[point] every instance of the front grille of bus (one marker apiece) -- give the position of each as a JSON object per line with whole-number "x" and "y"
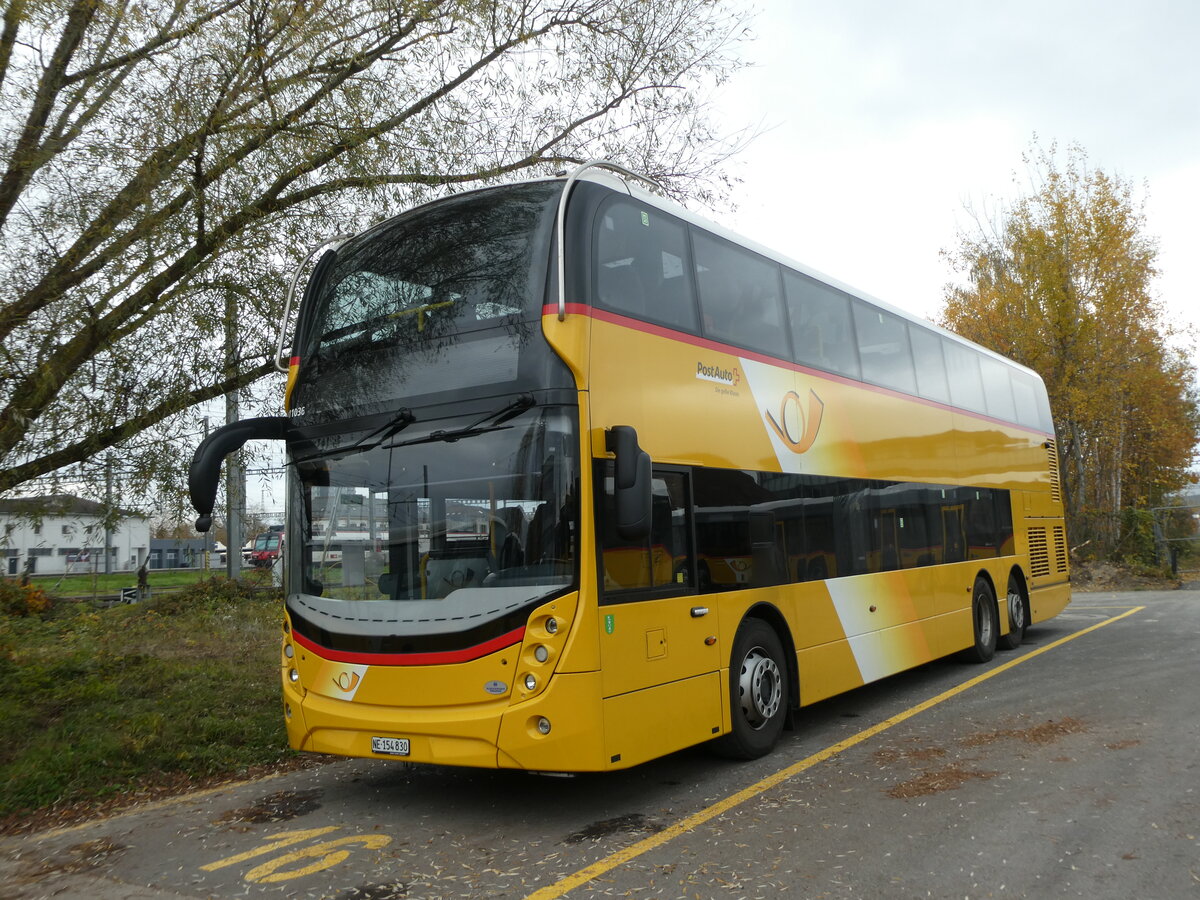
{"x": 1052, "y": 465}
{"x": 1039, "y": 553}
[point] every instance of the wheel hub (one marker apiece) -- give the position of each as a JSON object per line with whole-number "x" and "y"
{"x": 984, "y": 617}
{"x": 761, "y": 687}
{"x": 1016, "y": 611}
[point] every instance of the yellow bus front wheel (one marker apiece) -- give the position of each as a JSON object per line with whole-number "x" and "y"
{"x": 758, "y": 692}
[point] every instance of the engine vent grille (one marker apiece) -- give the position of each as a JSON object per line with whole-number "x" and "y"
{"x": 1039, "y": 553}
{"x": 1060, "y": 549}
{"x": 1052, "y": 465}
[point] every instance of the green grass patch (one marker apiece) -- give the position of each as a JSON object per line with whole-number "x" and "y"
{"x": 94, "y": 702}
{"x": 98, "y": 584}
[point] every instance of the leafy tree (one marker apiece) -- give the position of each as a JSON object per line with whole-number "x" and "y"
{"x": 1063, "y": 282}
{"x": 164, "y": 163}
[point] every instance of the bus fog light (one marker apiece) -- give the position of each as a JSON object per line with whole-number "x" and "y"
{"x": 540, "y": 653}
{"x": 543, "y": 725}
{"x": 530, "y": 683}
{"x": 552, "y": 625}
{"x": 287, "y": 710}
{"x": 293, "y": 675}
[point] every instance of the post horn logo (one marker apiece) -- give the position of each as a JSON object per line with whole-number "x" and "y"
{"x": 796, "y": 428}
{"x": 347, "y": 681}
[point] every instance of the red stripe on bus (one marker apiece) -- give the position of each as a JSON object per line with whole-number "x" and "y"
{"x": 440, "y": 657}
{"x": 603, "y": 315}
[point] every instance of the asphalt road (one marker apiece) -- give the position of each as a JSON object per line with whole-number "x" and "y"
{"x": 1068, "y": 768}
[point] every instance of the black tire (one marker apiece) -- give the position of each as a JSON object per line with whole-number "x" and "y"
{"x": 1018, "y": 617}
{"x": 758, "y": 692}
{"x": 986, "y": 622}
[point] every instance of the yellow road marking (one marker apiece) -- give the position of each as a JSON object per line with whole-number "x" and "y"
{"x": 612, "y": 861}
{"x": 329, "y": 856}
{"x": 283, "y": 839}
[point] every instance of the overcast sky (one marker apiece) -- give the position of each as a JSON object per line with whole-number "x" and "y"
{"x": 882, "y": 119}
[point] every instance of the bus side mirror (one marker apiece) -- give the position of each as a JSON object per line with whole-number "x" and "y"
{"x": 205, "y": 470}
{"x": 632, "y": 489}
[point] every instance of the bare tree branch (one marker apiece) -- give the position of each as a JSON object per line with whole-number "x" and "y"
{"x": 161, "y": 156}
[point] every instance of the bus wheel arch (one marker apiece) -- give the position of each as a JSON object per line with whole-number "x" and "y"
{"x": 985, "y": 620}
{"x": 1017, "y": 608}
{"x": 763, "y": 684}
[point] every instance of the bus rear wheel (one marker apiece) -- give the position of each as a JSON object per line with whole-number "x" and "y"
{"x": 985, "y": 620}
{"x": 758, "y": 692}
{"x": 1018, "y": 617}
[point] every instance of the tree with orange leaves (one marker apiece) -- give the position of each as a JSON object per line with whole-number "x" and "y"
{"x": 1062, "y": 282}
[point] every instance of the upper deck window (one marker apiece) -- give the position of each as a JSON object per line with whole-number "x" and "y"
{"x": 883, "y": 348}
{"x": 930, "y": 364}
{"x": 641, "y": 268}
{"x": 1032, "y": 406}
{"x": 966, "y": 381}
{"x": 822, "y": 332}
{"x": 997, "y": 387}
{"x": 740, "y": 296}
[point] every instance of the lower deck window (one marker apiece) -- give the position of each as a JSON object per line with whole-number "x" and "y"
{"x": 754, "y": 529}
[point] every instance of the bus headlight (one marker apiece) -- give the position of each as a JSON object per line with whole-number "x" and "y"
{"x": 293, "y": 676}
{"x": 552, "y": 625}
{"x": 543, "y": 725}
{"x": 530, "y": 682}
{"x": 540, "y": 653}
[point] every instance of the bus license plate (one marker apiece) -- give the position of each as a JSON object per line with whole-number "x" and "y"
{"x": 393, "y": 746}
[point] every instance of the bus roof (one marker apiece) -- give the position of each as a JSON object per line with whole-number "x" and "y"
{"x": 596, "y": 174}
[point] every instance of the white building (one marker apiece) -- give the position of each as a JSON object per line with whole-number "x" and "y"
{"x": 61, "y": 533}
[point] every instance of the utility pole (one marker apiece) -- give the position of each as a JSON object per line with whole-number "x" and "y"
{"x": 235, "y": 497}
{"x": 235, "y": 487}
{"x": 108, "y": 511}
{"x": 207, "y": 534}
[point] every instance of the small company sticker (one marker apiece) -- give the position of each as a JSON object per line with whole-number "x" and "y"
{"x": 610, "y": 623}
{"x": 496, "y": 687}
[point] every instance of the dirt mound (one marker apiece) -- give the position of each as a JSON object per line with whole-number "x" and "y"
{"x": 1098, "y": 575}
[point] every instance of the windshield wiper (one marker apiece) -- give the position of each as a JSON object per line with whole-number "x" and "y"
{"x": 493, "y": 421}
{"x": 400, "y": 420}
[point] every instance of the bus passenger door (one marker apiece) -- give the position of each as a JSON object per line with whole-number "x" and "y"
{"x": 659, "y": 647}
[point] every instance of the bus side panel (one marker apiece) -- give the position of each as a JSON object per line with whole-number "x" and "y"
{"x": 1047, "y": 602}
{"x": 1042, "y": 539}
{"x": 827, "y": 670}
{"x": 817, "y": 622}
{"x": 572, "y": 706}
{"x": 655, "y": 641}
{"x": 643, "y": 725}
{"x": 830, "y": 669}
{"x": 1001, "y": 456}
{"x": 690, "y": 405}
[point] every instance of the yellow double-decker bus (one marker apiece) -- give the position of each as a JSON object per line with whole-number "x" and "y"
{"x": 626, "y": 483}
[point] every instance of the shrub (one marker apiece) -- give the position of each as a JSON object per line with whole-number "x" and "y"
{"x": 23, "y": 599}
{"x": 1137, "y": 546}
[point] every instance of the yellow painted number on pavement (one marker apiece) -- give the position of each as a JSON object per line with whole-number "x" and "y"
{"x": 327, "y": 854}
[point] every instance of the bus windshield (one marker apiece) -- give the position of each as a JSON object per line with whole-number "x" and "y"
{"x": 441, "y": 528}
